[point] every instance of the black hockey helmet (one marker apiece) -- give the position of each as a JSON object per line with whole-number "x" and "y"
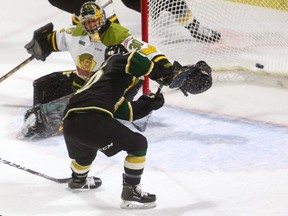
{"x": 92, "y": 17}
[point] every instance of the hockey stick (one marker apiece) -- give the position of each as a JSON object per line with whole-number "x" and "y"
{"x": 107, "y": 3}
{"x": 57, "y": 180}
{"x": 16, "y": 68}
{"x": 142, "y": 128}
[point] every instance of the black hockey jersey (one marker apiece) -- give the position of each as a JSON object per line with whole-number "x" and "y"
{"x": 104, "y": 90}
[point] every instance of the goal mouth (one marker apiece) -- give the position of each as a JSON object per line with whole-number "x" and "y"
{"x": 242, "y": 40}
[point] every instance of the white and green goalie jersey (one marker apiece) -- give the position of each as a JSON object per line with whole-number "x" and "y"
{"x": 89, "y": 53}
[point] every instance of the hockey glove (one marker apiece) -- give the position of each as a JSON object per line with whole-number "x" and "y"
{"x": 162, "y": 74}
{"x": 193, "y": 79}
{"x": 114, "y": 49}
{"x": 39, "y": 46}
{"x": 156, "y": 101}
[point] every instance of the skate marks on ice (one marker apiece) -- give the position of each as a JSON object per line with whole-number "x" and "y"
{"x": 208, "y": 142}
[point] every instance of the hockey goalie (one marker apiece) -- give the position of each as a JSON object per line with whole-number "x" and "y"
{"x": 44, "y": 118}
{"x": 52, "y": 92}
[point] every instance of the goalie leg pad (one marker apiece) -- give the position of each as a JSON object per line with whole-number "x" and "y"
{"x": 44, "y": 120}
{"x": 52, "y": 86}
{"x": 33, "y": 123}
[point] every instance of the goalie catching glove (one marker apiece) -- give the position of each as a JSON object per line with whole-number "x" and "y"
{"x": 39, "y": 47}
{"x": 193, "y": 79}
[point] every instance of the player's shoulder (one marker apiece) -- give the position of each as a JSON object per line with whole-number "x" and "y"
{"x": 113, "y": 33}
{"x": 76, "y": 30}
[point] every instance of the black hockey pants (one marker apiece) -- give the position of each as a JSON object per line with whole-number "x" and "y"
{"x": 86, "y": 133}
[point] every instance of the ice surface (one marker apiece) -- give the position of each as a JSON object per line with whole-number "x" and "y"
{"x": 223, "y": 152}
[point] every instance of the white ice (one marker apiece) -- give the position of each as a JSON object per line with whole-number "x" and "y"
{"x": 223, "y": 152}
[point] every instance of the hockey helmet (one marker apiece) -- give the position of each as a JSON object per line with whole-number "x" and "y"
{"x": 92, "y": 17}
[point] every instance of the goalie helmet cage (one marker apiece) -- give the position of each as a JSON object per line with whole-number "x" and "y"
{"x": 253, "y": 46}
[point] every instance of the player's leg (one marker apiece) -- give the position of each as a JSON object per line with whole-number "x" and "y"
{"x": 44, "y": 120}
{"x": 185, "y": 17}
{"x": 81, "y": 154}
{"x": 51, "y": 95}
{"x": 110, "y": 137}
{"x": 135, "y": 144}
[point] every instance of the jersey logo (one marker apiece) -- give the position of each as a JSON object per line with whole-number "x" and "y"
{"x": 132, "y": 44}
{"x": 106, "y": 147}
{"x": 85, "y": 65}
{"x": 135, "y": 44}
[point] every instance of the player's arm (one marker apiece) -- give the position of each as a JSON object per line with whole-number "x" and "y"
{"x": 45, "y": 41}
{"x": 114, "y": 34}
{"x": 138, "y": 109}
{"x": 193, "y": 79}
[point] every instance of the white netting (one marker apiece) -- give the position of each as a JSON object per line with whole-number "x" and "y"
{"x": 252, "y": 31}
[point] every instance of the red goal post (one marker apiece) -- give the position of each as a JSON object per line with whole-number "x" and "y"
{"x": 144, "y": 22}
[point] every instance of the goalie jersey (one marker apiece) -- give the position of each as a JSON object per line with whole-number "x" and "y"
{"x": 89, "y": 53}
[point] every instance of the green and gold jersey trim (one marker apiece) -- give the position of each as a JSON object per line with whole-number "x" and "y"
{"x": 53, "y": 42}
{"x": 83, "y": 109}
{"x": 138, "y": 66}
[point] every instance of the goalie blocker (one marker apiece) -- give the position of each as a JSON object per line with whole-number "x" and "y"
{"x": 193, "y": 79}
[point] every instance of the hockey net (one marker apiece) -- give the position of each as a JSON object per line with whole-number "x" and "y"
{"x": 253, "y": 43}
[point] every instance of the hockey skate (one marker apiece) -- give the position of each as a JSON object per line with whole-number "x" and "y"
{"x": 203, "y": 33}
{"x": 88, "y": 183}
{"x": 134, "y": 198}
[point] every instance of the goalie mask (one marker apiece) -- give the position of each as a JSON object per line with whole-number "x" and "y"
{"x": 92, "y": 18}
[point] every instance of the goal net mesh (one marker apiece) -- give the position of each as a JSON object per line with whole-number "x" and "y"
{"x": 240, "y": 39}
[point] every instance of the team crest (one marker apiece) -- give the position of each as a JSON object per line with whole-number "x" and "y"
{"x": 85, "y": 65}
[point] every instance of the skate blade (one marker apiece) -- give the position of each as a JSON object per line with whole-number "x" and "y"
{"x": 137, "y": 205}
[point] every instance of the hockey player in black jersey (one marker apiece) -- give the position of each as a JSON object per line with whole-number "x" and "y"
{"x": 178, "y": 8}
{"x": 90, "y": 125}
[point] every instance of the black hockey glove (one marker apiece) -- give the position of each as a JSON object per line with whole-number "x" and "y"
{"x": 156, "y": 101}
{"x": 39, "y": 46}
{"x": 114, "y": 49}
{"x": 193, "y": 79}
{"x": 162, "y": 74}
